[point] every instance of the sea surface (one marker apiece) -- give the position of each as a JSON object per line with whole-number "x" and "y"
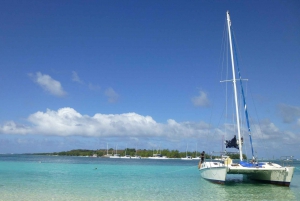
{"x": 31, "y": 177}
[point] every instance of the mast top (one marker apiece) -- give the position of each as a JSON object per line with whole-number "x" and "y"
{"x": 228, "y": 18}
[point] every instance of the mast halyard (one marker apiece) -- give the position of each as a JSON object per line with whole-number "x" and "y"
{"x": 234, "y": 87}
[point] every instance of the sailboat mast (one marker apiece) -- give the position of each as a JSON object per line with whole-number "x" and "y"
{"x": 234, "y": 87}
{"x": 107, "y": 149}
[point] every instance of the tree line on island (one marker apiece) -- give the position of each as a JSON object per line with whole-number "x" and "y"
{"x": 141, "y": 152}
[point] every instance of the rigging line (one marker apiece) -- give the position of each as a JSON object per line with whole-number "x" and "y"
{"x": 227, "y": 73}
{"x": 215, "y": 131}
{"x": 221, "y": 61}
{"x": 259, "y": 125}
{"x": 255, "y": 127}
{"x": 223, "y": 48}
{"x": 244, "y": 101}
{"x": 223, "y": 52}
{"x": 210, "y": 124}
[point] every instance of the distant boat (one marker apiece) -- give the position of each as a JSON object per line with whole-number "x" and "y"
{"x": 186, "y": 156}
{"x": 136, "y": 157}
{"x": 267, "y": 172}
{"x": 126, "y": 156}
{"x": 116, "y": 155}
{"x": 197, "y": 157}
{"x": 107, "y": 154}
{"x": 158, "y": 156}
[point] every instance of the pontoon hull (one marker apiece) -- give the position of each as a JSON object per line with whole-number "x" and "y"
{"x": 268, "y": 173}
{"x": 214, "y": 172}
{"x": 281, "y": 177}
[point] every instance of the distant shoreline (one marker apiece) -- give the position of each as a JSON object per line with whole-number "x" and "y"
{"x": 143, "y": 153}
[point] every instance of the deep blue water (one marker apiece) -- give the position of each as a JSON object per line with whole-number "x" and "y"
{"x": 31, "y": 177}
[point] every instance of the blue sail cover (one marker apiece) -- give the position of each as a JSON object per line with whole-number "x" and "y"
{"x": 247, "y": 164}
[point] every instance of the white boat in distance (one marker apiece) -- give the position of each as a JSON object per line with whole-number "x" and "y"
{"x": 187, "y": 158}
{"x": 157, "y": 156}
{"x": 197, "y": 157}
{"x": 116, "y": 155}
{"x": 267, "y": 172}
{"x": 126, "y": 157}
{"x": 136, "y": 157}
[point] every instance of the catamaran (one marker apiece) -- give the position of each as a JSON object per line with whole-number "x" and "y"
{"x": 268, "y": 172}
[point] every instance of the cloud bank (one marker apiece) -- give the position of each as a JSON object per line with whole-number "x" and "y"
{"x": 69, "y": 122}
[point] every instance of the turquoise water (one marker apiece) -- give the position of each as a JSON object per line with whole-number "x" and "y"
{"x": 28, "y": 177}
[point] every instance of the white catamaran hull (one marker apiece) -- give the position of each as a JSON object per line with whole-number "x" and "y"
{"x": 267, "y": 173}
{"x": 214, "y": 171}
{"x": 280, "y": 175}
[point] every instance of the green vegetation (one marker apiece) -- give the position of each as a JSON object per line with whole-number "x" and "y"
{"x": 131, "y": 151}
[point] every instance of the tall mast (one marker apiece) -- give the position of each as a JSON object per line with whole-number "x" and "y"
{"x": 107, "y": 149}
{"x": 234, "y": 87}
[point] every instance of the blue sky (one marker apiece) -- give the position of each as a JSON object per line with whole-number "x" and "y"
{"x": 81, "y": 74}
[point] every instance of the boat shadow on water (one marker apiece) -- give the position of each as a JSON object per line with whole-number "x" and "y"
{"x": 254, "y": 190}
{"x": 232, "y": 180}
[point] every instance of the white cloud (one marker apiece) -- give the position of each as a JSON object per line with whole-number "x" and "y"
{"x": 48, "y": 84}
{"x": 68, "y": 122}
{"x": 111, "y": 95}
{"x": 201, "y": 100}
{"x": 76, "y": 78}
{"x": 289, "y": 113}
{"x": 94, "y": 87}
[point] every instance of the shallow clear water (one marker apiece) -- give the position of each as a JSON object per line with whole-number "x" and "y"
{"x": 28, "y": 177}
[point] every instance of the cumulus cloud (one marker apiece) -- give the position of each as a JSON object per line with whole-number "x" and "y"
{"x": 289, "y": 113}
{"x": 201, "y": 100}
{"x": 111, "y": 95}
{"x": 48, "y": 84}
{"x": 69, "y": 122}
